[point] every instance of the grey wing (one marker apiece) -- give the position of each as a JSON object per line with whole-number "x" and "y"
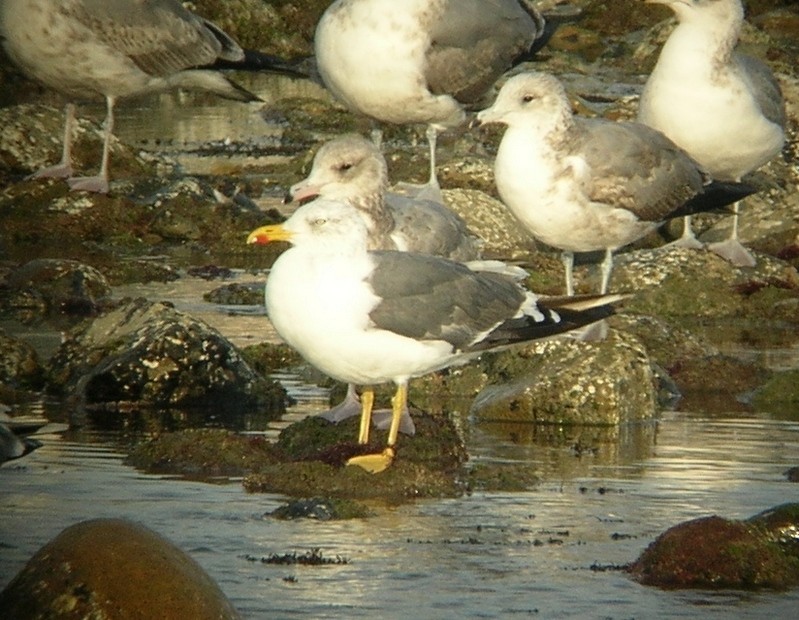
{"x": 765, "y": 87}
{"x": 636, "y": 168}
{"x": 473, "y": 42}
{"x": 160, "y": 36}
{"x": 431, "y": 228}
{"x": 428, "y": 298}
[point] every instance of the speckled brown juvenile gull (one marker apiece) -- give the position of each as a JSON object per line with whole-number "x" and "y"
{"x": 421, "y": 61}
{"x": 724, "y": 108}
{"x": 368, "y": 317}
{"x": 582, "y": 184}
{"x": 113, "y": 49}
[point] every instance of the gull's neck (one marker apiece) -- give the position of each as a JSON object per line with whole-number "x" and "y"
{"x": 700, "y": 46}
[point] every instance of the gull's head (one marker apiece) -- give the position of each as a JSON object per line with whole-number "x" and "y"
{"x": 349, "y": 168}
{"x": 713, "y": 13}
{"x": 528, "y": 99}
{"x": 319, "y": 224}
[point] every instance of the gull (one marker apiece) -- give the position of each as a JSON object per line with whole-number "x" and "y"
{"x": 723, "y": 108}
{"x": 422, "y": 61}
{"x": 352, "y": 169}
{"x": 89, "y": 49}
{"x": 581, "y": 184}
{"x": 368, "y": 317}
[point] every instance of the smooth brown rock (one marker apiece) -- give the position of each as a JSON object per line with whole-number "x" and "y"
{"x": 113, "y": 568}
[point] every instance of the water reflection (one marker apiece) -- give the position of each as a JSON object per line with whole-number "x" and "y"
{"x": 486, "y": 555}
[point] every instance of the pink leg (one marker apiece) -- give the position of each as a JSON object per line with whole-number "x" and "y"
{"x": 99, "y": 183}
{"x": 63, "y": 169}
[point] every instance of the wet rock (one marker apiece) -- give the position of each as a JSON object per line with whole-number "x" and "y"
{"x": 19, "y": 366}
{"x": 781, "y": 524}
{"x": 779, "y": 395}
{"x": 792, "y": 474}
{"x": 429, "y": 464}
{"x": 12, "y": 445}
{"x": 266, "y": 357}
{"x": 490, "y": 220}
{"x": 113, "y": 568}
{"x": 282, "y": 28}
{"x": 203, "y": 453}
{"x": 54, "y": 286}
{"x": 149, "y": 353}
{"x": 571, "y": 382}
{"x": 713, "y": 552}
{"x": 237, "y": 295}
{"x": 320, "y": 509}
{"x": 716, "y": 383}
{"x": 677, "y": 282}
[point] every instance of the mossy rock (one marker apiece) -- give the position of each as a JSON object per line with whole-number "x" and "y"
{"x": 713, "y": 552}
{"x": 779, "y": 395}
{"x": 203, "y": 453}
{"x": 429, "y": 464}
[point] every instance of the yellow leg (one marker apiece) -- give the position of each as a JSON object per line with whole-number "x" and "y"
{"x": 367, "y": 401}
{"x": 375, "y": 463}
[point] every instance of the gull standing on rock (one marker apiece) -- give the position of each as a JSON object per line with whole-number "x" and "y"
{"x": 723, "y": 108}
{"x": 422, "y": 61}
{"x": 372, "y": 317}
{"x": 581, "y": 184}
{"x": 351, "y": 169}
{"x": 113, "y": 49}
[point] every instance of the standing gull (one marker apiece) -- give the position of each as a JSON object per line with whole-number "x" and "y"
{"x": 583, "y": 184}
{"x": 367, "y": 317}
{"x": 352, "y": 169}
{"x": 724, "y": 108}
{"x": 421, "y": 61}
{"x": 113, "y": 49}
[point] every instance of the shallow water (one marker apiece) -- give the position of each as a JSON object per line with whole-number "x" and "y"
{"x": 548, "y": 552}
{"x": 537, "y": 553}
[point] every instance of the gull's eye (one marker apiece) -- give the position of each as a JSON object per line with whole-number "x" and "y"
{"x": 528, "y": 98}
{"x": 319, "y": 221}
{"x": 345, "y": 166}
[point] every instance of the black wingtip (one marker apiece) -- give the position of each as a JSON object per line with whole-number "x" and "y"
{"x": 258, "y": 61}
{"x": 716, "y": 197}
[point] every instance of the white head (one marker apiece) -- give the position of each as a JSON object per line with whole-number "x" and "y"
{"x": 349, "y": 168}
{"x": 530, "y": 100}
{"x": 326, "y": 225}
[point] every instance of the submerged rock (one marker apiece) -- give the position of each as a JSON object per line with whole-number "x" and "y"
{"x": 113, "y": 568}
{"x": 713, "y": 552}
{"x": 149, "y": 353}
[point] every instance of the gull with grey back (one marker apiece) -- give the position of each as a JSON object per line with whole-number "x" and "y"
{"x": 723, "y": 107}
{"x": 422, "y": 61}
{"x": 113, "y": 49}
{"x": 582, "y": 184}
{"x": 368, "y": 317}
